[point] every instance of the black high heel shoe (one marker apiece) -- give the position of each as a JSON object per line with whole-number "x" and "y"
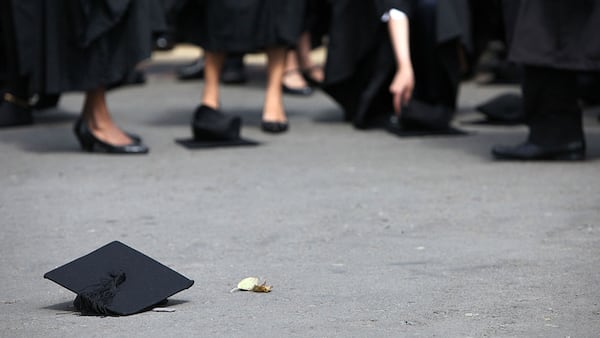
{"x": 274, "y": 127}
{"x": 90, "y": 143}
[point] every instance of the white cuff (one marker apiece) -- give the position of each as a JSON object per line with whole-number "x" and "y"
{"x": 393, "y": 14}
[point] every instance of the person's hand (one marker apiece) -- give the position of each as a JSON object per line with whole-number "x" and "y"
{"x": 402, "y": 88}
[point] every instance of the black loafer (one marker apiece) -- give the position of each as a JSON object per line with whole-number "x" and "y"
{"x": 574, "y": 151}
{"x": 274, "y": 127}
{"x": 90, "y": 143}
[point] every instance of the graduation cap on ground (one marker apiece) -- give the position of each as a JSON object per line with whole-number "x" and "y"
{"x": 211, "y": 128}
{"x": 116, "y": 280}
{"x": 503, "y": 109}
{"x": 423, "y": 119}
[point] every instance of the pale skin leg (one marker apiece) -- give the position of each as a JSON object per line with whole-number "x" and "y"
{"x": 304, "y": 60}
{"x": 292, "y": 77}
{"x": 213, "y": 63}
{"x": 97, "y": 116}
{"x": 273, "y": 110}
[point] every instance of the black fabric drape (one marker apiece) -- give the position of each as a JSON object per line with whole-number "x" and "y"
{"x": 361, "y": 62}
{"x": 316, "y": 21}
{"x": 560, "y": 33}
{"x": 243, "y": 25}
{"x": 67, "y": 45}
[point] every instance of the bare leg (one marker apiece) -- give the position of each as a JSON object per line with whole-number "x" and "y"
{"x": 304, "y": 60}
{"x": 213, "y": 63}
{"x": 99, "y": 120}
{"x": 292, "y": 77}
{"x": 273, "y": 110}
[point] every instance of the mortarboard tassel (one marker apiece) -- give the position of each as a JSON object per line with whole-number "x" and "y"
{"x": 96, "y": 299}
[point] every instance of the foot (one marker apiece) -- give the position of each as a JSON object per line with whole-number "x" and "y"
{"x": 294, "y": 83}
{"x": 574, "y": 151}
{"x": 274, "y": 127}
{"x": 108, "y": 132}
{"x": 314, "y": 75}
{"x": 92, "y": 143}
{"x": 274, "y": 115}
{"x": 274, "y": 120}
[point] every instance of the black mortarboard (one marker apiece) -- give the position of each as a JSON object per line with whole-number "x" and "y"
{"x": 503, "y": 109}
{"x": 118, "y": 280}
{"x": 423, "y": 119}
{"x": 211, "y": 128}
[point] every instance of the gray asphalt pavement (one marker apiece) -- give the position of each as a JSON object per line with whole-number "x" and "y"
{"x": 361, "y": 234}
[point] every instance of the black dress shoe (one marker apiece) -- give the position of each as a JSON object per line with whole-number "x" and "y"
{"x": 194, "y": 71}
{"x": 14, "y": 112}
{"x": 574, "y": 151}
{"x": 301, "y": 91}
{"x": 90, "y": 143}
{"x": 274, "y": 127}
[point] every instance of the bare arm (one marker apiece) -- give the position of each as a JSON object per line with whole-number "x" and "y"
{"x": 404, "y": 82}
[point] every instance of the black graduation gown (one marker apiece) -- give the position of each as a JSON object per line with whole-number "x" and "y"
{"x": 560, "y": 34}
{"x": 361, "y": 64}
{"x": 242, "y": 26}
{"x": 78, "y": 45}
{"x": 317, "y": 20}
{"x": 554, "y": 40}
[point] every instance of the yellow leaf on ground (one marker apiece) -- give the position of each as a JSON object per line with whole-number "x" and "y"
{"x": 252, "y": 284}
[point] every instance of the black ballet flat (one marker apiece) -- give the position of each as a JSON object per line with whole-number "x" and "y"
{"x": 91, "y": 143}
{"x": 134, "y": 137}
{"x": 300, "y": 91}
{"x": 274, "y": 127}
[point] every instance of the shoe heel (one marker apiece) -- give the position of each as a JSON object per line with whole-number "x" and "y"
{"x": 86, "y": 143}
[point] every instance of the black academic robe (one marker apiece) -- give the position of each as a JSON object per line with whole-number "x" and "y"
{"x": 242, "y": 26}
{"x": 78, "y": 45}
{"x": 317, "y": 20}
{"x": 560, "y": 34}
{"x": 361, "y": 64}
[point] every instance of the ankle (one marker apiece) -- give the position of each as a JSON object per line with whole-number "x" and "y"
{"x": 211, "y": 104}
